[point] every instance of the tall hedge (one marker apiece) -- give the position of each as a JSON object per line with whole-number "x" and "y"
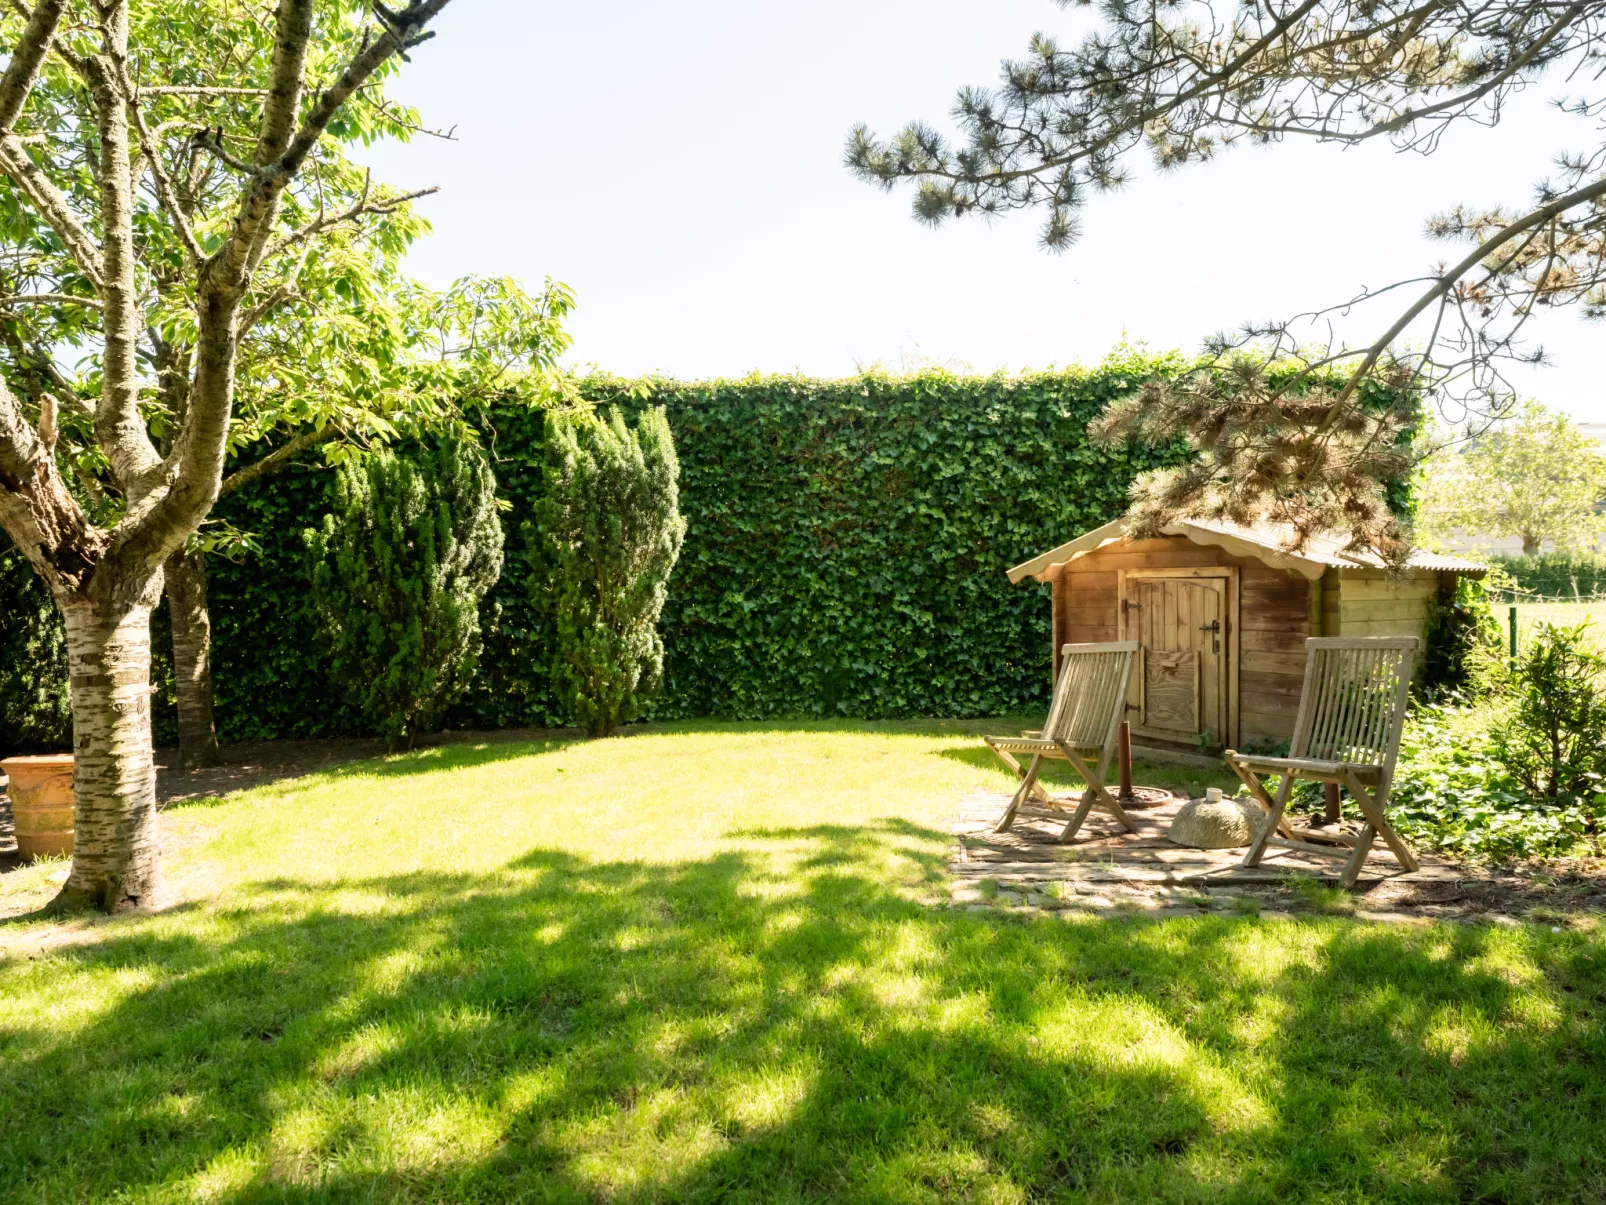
{"x": 35, "y": 710}
{"x": 844, "y": 555}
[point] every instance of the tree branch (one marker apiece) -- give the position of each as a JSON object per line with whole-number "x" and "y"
{"x": 165, "y": 195}
{"x": 29, "y": 52}
{"x": 278, "y": 458}
{"x": 1445, "y": 282}
{"x": 361, "y": 207}
{"x": 182, "y": 90}
{"x": 52, "y": 205}
{"x": 49, "y": 298}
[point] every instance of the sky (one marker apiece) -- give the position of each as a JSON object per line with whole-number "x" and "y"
{"x": 680, "y": 168}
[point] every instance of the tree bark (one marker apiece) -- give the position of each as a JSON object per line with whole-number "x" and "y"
{"x": 1531, "y": 545}
{"x": 192, "y": 659}
{"x": 115, "y": 847}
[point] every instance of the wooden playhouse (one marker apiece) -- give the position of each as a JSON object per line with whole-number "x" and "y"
{"x": 1222, "y": 613}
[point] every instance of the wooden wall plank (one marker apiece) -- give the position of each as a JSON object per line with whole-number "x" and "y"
{"x": 1260, "y": 640}
{"x": 1360, "y": 610}
{"x": 1287, "y": 662}
{"x": 1266, "y": 727}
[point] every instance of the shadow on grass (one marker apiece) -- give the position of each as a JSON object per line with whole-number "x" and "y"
{"x": 783, "y": 1022}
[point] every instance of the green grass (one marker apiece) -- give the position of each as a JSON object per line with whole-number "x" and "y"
{"x": 704, "y": 964}
{"x": 1561, "y": 614}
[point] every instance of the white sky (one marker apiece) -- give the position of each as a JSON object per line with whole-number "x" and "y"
{"x": 680, "y": 167}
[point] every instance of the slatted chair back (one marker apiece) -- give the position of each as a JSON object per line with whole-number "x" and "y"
{"x": 1090, "y": 696}
{"x": 1353, "y": 705}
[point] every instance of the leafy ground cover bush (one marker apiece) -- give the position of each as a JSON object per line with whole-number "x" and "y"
{"x": 1452, "y": 792}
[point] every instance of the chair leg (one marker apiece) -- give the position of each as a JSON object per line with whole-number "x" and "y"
{"x": 1363, "y": 846}
{"x": 1257, "y": 847}
{"x": 1014, "y": 766}
{"x": 1074, "y": 826}
{"x": 1026, "y": 783}
{"x": 1097, "y": 794}
{"x": 1372, "y": 809}
{"x": 1258, "y": 790}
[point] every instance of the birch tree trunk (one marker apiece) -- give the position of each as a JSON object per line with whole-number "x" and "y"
{"x": 192, "y": 659}
{"x": 115, "y": 846}
{"x": 107, "y": 580}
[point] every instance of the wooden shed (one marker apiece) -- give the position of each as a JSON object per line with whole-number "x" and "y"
{"x": 1222, "y": 613}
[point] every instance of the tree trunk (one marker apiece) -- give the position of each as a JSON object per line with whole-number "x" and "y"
{"x": 114, "y": 776}
{"x": 192, "y": 658}
{"x": 1531, "y": 545}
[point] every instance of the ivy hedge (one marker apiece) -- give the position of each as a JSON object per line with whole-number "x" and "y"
{"x": 845, "y": 552}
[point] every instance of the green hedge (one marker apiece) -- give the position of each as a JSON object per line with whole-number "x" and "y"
{"x": 1563, "y": 575}
{"x": 35, "y": 712}
{"x": 845, "y": 552}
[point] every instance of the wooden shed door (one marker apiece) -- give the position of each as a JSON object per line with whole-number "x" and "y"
{"x": 1180, "y": 684}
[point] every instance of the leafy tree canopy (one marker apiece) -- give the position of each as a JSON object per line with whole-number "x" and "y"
{"x": 1533, "y": 475}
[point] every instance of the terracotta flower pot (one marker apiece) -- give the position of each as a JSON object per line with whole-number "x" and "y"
{"x": 41, "y": 803}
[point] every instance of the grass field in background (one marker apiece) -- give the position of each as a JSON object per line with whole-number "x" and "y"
{"x": 702, "y": 964}
{"x": 1563, "y": 614}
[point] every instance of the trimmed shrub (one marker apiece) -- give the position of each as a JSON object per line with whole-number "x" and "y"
{"x": 398, "y": 574}
{"x": 611, "y": 532}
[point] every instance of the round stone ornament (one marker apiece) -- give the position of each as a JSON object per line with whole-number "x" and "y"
{"x": 1217, "y": 823}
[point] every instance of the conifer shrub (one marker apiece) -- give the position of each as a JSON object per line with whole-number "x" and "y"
{"x": 398, "y": 572}
{"x": 610, "y": 533}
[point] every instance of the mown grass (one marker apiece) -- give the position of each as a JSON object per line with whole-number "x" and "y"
{"x": 703, "y": 964}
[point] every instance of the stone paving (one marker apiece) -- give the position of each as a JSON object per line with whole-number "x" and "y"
{"x": 1109, "y": 871}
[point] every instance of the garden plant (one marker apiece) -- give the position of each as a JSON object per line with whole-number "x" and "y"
{"x": 611, "y": 531}
{"x": 398, "y": 574}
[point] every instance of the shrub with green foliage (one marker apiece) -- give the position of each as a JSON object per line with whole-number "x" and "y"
{"x": 1561, "y": 575}
{"x": 1553, "y": 737}
{"x": 611, "y": 531}
{"x": 35, "y": 703}
{"x": 1461, "y": 634}
{"x": 398, "y": 573}
{"x": 1453, "y": 793}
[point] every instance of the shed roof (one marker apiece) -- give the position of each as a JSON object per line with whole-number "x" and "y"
{"x": 1267, "y": 542}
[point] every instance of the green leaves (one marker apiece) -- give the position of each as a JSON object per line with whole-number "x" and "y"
{"x": 610, "y": 533}
{"x": 398, "y": 572}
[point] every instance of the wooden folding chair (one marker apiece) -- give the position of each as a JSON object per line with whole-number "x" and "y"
{"x": 1347, "y": 731}
{"x": 1083, "y": 718}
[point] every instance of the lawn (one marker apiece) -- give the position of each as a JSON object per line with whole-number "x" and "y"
{"x": 705, "y": 963}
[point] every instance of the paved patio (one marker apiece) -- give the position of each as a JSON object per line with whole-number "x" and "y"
{"x": 1107, "y": 869}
